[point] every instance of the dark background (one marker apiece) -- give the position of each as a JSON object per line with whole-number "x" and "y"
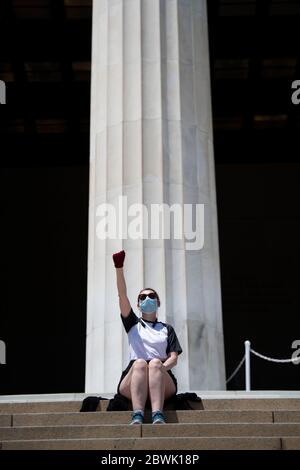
{"x": 45, "y": 56}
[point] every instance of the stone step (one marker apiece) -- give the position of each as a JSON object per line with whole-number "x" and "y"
{"x": 252, "y": 404}
{"x": 163, "y": 443}
{"x": 123, "y": 417}
{"x": 5, "y": 420}
{"x": 264, "y": 404}
{"x": 291, "y": 443}
{"x": 150, "y": 431}
{"x": 45, "y": 407}
{"x": 70, "y": 432}
{"x": 286, "y": 416}
{"x": 222, "y": 430}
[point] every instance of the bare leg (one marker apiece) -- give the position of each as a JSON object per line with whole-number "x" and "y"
{"x": 139, "y": 384}
{"x": 161, "y": 386}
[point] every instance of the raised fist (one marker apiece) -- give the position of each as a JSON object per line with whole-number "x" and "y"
{"x": 119, "y": 259}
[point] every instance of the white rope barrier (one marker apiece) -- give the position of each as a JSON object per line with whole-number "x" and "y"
{"x": 236, "y": 370}
{"x": 271, "y": 359}
{"x": 246, "y": 359}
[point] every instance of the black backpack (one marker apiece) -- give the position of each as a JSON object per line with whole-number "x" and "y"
{"x": 91, "y": 403}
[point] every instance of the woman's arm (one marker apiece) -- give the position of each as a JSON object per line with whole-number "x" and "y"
{"x": 171, "y": 361}
{"x": 124, "y": 303}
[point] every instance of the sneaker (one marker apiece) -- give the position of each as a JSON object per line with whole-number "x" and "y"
{"x": 137, "y": 418}
{"x": 158, "y": 418}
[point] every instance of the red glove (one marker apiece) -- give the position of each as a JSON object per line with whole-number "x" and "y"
{"x": 119, "y": 259}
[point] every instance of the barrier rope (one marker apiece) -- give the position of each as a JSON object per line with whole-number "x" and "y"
{"x": 236, "y": 370}
{"x": 270, "y": 359}
{"x": 295, "y": 360}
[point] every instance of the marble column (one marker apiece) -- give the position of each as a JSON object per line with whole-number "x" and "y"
{"x": 152, "y": 141}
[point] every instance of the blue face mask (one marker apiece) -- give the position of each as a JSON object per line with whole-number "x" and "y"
{"x": 148, "y": 305}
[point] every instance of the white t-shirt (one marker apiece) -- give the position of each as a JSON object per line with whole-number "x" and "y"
{"x": 149, "y": 340}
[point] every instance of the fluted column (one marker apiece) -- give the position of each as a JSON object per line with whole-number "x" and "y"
{"x": 151, "y": 141}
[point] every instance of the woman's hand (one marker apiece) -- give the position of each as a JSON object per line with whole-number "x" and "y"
{"x": 124, "y": 303}
{"x": 171, "y": 360}
{"x": 119, "y": 259}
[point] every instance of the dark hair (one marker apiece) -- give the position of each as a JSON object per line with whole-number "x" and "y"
{"x": 148, "y": 288}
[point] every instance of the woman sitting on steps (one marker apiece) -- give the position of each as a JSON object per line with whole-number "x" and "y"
{"x": 153, "y": 347}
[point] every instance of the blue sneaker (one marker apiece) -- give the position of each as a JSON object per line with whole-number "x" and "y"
{"x": 137, "y": 417}
{"x": 158, "y": 418}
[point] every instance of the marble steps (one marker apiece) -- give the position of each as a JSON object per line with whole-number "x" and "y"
{"x": 180, "y": 430}
{"x": 162, "y": 443}
{"x": 123, "y": 417}
{"x": 237, "y": 404}
{"x": 259, "y": 423}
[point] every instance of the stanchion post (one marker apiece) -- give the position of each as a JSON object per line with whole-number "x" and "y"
{"x": 247, "y": 366}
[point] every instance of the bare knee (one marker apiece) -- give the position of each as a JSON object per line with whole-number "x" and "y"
{"x": 140, "y": 364}
{"x": 155, "y": 364}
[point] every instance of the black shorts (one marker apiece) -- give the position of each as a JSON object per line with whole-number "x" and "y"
{"x": 125, "y": 372}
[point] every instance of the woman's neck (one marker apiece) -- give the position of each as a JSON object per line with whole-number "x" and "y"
{"x": 149, "y": 317}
